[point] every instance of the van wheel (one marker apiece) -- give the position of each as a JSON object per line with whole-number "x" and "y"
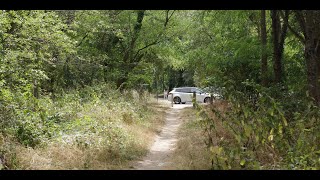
{"x": 207, "y": 100}
{"x": 176, "y": 100}
{"x": 183, "y": 102}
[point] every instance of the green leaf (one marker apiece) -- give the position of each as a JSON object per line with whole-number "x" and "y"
{"x": 257, "y": 138}
{"x": 308, "y": 130}
{"x": 238, "y": 138}
{"x": 271, "y": 112}
{"x": 247, "y": 130}
{"x": 245, "y": 113}
{"x": 215, "y": 150}
{"x": 270, "y": 137}
{"x": 242, "y": 162}
{"x": 242, "y": 122}
{"x": 284, "y": 121}
{"x": 280, "y": 129}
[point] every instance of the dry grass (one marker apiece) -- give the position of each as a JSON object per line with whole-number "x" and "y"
{"x": 191, "y": 152}
{"x": 221, "y": 133}
{"x": 222, "y": 136}
{"x": 55, "y": 156}
{"x": 61, "y": 155}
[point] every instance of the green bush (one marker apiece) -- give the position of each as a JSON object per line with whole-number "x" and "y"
{"x": 266, "y": 133}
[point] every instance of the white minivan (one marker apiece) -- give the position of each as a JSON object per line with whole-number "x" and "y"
{"x": 184, "y": 94}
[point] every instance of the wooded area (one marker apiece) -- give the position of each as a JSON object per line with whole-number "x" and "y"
{"x": 54, "y": 64}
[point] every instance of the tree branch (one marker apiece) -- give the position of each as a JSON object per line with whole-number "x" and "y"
{"x": 82, "y": 39}
{"x": 302, "y": 21}
{"x": 171, "y": 14}
{"x": 168, "y": 17}
{"x": 153, "y": 43}
{"x": 295, "y": 33}
{"x": 208, "y": 34}
{"x": 161, "y": 33}
{"x": 284, "y": 27}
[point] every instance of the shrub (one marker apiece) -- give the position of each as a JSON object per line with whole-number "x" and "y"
{"x": 262, "y": 133}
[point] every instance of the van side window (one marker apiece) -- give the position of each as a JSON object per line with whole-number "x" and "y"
{"x": 187, "y": 90}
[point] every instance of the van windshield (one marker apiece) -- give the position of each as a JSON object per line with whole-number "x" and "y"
{"x": 199, "y": 91}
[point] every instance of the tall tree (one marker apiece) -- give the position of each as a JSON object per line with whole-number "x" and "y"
{"x": 135, "y": 52}
{"x": 264, "y": 57}
{"x": 278, "y": 36}
{"x": 128, "y": 55}
{"x": 310, "y": 26}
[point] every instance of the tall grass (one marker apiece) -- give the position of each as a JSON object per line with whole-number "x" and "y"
{"x": 92, "y": 128}
{"x": 191, "y": 152}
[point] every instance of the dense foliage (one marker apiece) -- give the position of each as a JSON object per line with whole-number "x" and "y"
{"x": 266, "y": 63}
{"x": 260, "y": 126}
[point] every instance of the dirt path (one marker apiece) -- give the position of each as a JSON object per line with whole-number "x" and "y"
{"x": 159, "y": 156}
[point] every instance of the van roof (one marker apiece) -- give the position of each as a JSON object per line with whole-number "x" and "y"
{"x": 184, "y": 87}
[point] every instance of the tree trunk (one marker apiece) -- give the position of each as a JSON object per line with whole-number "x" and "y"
{"x": 310, "y": 26}
{"x": 180, "y": 80}
{"x": 264, "y": 58}
{"x": 312, "y": 71}
{"x": 121, "y": 82}
{"x": 278, "y": 37}
{"x": 35, "y": 89}
{"x": 128, "y": 55}
{"x": 163, "y": 85}
{"x": 312, "y": 41}
{"x": 275, "y": 40}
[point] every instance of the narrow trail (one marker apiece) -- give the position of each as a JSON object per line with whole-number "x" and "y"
{"x": 164, "y": 144}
